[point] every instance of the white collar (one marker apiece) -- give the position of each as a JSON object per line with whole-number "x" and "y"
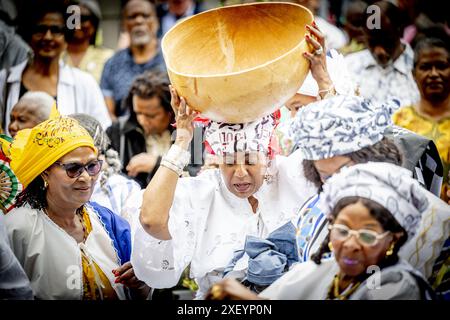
{"x": 402, "y": 64}
{"x": 66, "y": 74}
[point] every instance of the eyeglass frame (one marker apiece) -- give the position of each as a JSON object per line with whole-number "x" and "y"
{"x": 357, "y": 233}
{"x": 84, "y": 167}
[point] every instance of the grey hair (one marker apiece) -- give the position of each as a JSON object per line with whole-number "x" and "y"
{"x": 42, "y": 100}
{"x": 102, "y": 143}
{"x": 94, "y": 128}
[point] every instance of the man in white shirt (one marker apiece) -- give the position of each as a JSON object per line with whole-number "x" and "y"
{"x": 384, "y": 70}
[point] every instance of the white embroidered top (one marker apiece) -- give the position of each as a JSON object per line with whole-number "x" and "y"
{"x": 51, "y": 258}
{"x": 208, "y": 223}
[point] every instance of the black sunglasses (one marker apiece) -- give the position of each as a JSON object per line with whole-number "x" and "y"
{"x": 42, "y": 29}
{"x": 74, "y": 170}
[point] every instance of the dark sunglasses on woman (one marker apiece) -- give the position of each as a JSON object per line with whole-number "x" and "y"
{"x": 74, "y": 170}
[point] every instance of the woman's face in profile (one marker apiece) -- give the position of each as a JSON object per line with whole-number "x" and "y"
{"x": 64, "y": 190}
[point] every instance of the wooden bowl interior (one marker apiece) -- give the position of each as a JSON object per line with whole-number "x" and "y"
{"x": 212, "y": 43}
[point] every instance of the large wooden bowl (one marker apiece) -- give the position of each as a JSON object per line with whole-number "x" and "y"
{"x": 239, "y": 63}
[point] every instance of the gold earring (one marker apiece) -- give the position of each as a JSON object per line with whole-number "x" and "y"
{"x": 390, "y": 251}
{"x": 330, "y": 246}
{"x": 45, "y": 184}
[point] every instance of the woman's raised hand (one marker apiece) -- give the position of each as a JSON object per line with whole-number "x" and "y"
{"x": 184, "y": 117}
{"x": 317, "y": 59}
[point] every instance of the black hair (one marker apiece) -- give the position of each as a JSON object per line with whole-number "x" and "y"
{"x": 377, "y": 211}
{"x": 148, "y": 85}
{"x": 428, "y": 43}
{"x": 383, "y": 151}
{"x": 35, "y": 10}
{"x": 433, "y": 10}
{"x": 34, "y": 195}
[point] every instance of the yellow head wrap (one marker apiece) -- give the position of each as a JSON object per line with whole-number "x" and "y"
{"x": 34, "y": 150}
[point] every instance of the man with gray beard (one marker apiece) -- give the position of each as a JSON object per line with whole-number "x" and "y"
{"x": 143, "y": 54}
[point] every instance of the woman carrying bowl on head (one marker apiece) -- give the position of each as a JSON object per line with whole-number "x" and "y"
{"x": 68, "y": 247}
{"x": 201, "y": 220}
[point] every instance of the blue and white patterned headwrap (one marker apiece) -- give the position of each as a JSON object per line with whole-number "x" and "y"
{"x": 340, "y": 125}
{"x": 388, "y": 185}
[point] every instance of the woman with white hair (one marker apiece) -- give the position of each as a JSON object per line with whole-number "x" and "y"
{"x": 33, "y": 108}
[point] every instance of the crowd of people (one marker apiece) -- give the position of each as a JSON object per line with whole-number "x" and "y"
{"x": 343, "y": 193}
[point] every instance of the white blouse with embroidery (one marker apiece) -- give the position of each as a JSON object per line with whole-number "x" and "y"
{"x": 51, "y": 258}
{"x": 208, "y": 223}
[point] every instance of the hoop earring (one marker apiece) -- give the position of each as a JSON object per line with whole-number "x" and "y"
{"x": 390, "y": 251}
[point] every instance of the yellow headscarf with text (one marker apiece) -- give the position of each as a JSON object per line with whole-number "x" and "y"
{"x": 34, "y": 150}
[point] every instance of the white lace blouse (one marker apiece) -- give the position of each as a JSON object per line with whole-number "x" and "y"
{"x": 208, "y": 223}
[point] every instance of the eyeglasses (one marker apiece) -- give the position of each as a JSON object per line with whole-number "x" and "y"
{"x": 74, "y": 170}
{"x": 41, "y": 29}
{"x": 364, "y": 237}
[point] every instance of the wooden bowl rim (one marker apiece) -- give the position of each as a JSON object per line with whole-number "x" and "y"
{"x": 237, "y": 72}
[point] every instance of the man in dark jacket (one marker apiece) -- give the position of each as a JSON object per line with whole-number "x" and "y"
{"x": 145, "y": 135}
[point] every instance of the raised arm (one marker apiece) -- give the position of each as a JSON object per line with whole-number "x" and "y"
{"x": 159, "y": 194}
{"x": 318, "y": 60}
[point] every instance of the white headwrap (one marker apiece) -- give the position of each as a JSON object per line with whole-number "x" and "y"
{"x": 339, "y": 75}
{"x": 340, "y": 125}
{"x": 389, "y": 185}
{"x": 226, "y": 138}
